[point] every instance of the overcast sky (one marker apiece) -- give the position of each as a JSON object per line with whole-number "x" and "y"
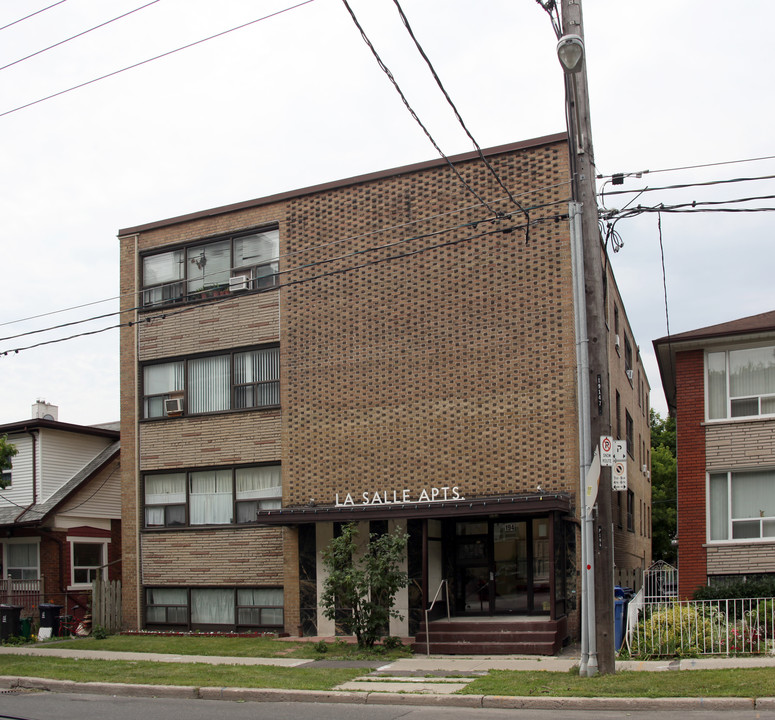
{"x": 298, "y": 99}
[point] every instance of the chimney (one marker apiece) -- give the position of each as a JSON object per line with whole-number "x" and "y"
{"x": 41, "y": 410}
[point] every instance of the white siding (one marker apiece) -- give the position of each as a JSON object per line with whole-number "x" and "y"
{"x": 20, "y": 492}
{"x": 62, "y": 455}
{"x": 99, "y": 498}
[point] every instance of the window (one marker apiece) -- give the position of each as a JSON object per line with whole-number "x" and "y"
{"x": 211, "y": 497}
{"x": 21, "y": 560}
{"x": 618, "y": 427}
{"x": 627, "y": 357}
{"x": 88, "y": 560}
{"x": 631, "y": 511}
{"x": 205, "y": 269}
{"x": 166, "y": 606}
{"x": 207, "y": 607}
{"x": 234, "y": 381}
{"x": 740, "y": 383}
{"x": 6, "y": 479}
{"x": 628, "y": 427}
{"x": 741, "y": 505}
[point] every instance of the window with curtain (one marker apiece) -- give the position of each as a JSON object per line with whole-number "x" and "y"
{"x": 159, "y": 382}
{"x": 162, "y": 278}
{"x": 165, "y": 500}
{"x": 210, "y": 497}
{"x": 212, "y": 606}
{"x": 257, "y": 488}
{"x": 742, "y": 505}
{"x": 190, "y": 273}
{"x": 740, "y": 383}
{"x": 260, "y": 607}
{"x": 21, "y": 561}
{"x": 231, "y": 381}
{"x": 166, "y": 606}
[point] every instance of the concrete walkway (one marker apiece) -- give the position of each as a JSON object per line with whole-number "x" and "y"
{"x": 419, "y": 680}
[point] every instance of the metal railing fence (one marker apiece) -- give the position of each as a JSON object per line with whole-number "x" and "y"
{"x": 701, "y": 627}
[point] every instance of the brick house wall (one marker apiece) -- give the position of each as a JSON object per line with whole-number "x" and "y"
{"x": 690, "y": 434}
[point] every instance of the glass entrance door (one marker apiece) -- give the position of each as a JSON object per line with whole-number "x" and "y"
{"x": 501, "y": 566}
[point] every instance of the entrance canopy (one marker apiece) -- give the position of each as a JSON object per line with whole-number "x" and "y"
{"x": 499, "y": 505}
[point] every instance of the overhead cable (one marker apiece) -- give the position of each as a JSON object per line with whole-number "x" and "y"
{"x": 80, "y": 34}
{"x": 458, "y": 116}
{"x": 157, "y": 57}
{"x": 393, "y": 80}
{"x": 37, "y": 12}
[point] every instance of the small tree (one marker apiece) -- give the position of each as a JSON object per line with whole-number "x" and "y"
{"x": 7, "y": 451}
{"x": 360, "y": 590}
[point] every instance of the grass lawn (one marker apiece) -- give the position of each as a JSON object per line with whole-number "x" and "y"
{"x": 268, "y": 647}
{"x": 748, "y": 683}
{"x": 158, "y": 673}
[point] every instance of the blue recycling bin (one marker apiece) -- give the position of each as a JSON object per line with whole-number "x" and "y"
{"x": 622, "y": 596}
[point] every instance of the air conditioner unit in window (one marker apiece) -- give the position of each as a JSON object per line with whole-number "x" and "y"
{"x": 239, "y": 282}
{"x": 645, "y": 468}
{"x": 617, "y": 342}
{"x": 173, "y": 406}
{"x": 629, "y": 374}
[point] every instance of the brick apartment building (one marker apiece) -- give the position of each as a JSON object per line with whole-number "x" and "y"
{"x": 720, "y": 386}
{"x": 383, "y": 349}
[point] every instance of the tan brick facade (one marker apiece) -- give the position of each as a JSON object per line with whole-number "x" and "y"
{"x": 425, "y": 342}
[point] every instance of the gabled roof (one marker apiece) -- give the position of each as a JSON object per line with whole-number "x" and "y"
{"x": 752, "y": 327}
{"x": 35, "y": 514}
{"x": 109, "y": 430}
{"x": 764, "y": 322}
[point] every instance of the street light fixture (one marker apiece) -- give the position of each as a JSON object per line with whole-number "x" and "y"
{"x": 570, "y": 51}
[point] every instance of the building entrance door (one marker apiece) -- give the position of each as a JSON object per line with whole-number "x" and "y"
{"x": 501, "y": 566}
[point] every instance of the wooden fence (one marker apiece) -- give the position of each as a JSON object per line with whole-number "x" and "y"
{"x": 106, "y": 604}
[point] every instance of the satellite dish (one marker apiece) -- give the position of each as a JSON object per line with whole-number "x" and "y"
{"x": 48, "y": 417}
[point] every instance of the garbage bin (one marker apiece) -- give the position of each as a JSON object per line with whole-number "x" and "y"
{"x": 49, "y": 618}
{"x": 10, "y": 621}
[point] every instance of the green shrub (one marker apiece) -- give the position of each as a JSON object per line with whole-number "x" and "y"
{"x": 677, "y": 630}
{"x": 321, "y": 646}
{"x": 99, "y": 633}
{"x": 391, "y": 642}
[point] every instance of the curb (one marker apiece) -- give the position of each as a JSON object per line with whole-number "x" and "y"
{"x": 189, "y": 692}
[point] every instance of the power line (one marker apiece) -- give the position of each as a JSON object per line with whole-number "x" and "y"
{"x": 288, "y": 271}
{"x": 80, "y": 34}
{"x": 400, "y": 92}
{"x": 436, "y": 77}
{"x": 290, "y": 254}
{"x": 639, "y": 173}
{"x": 157, "y": 57}
{"x": 683, "y": 186}
{"x": 288, "y": 283}
{"x": 27, "y": 17}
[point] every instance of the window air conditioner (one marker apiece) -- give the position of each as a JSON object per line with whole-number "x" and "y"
{"x": 629, "y": 374}
{"x": 173, "y": 406}
{"x": 617, "y": 341}
{"x": 239, "y": 282}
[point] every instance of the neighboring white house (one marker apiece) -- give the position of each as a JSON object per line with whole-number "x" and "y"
{"x": 60, "y": 511}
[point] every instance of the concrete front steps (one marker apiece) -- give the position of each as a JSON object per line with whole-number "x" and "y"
{"x": 493, "y": 636}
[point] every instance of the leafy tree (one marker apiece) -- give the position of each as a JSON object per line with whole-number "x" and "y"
{"x": 7, "y": 451}
{"x": 360, "y": 590}
{"x": 664, "y": 490}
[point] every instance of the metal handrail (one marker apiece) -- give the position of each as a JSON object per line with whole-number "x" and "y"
{"x": 444, "y": 584}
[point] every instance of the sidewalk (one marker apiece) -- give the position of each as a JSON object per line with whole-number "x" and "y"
{"x": 421, "y": 680}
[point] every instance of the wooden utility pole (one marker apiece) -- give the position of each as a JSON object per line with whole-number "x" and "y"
{"x": 585, "y": 193}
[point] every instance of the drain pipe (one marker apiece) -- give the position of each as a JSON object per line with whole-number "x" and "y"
{"x": 34, "y": 435}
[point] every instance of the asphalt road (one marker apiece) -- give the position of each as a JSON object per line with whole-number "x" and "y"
{"x": 66, "y": 706}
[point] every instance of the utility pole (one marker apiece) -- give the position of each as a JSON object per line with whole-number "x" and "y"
{"x": 585, "y": 193}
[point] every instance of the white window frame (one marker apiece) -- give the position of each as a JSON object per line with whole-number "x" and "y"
{"x": 21, "y": 541}
{"x": 730, "y": 540}
{"x": 103, "y": 570}
{"x": 728, "y": 417}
